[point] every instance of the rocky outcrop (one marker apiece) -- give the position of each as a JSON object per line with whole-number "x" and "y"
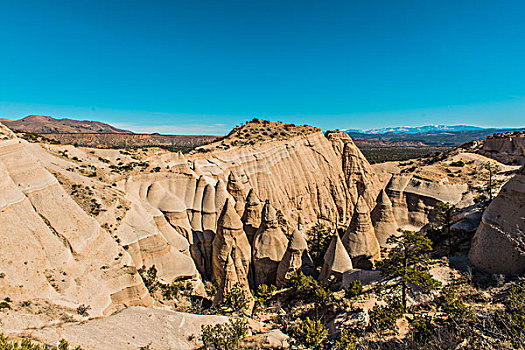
{"x": 238, "y": 191}
{"x": 296, "y": 258}
{"x": 507, "y": 148}
{"x": 499, "y": 243}
{"x": 413, "y": 198}
{"x": 301, "y": 175}
{"x": 230, "y": 242}
{"x": 51, "y": 249}
{"x": 132, "y": 328}
{"x": 383, "y": 219}
{"x": 252, "y": 215}
{"x": 269, "y": 247}
{"x": 235, "y": 278}
{"x": 359, "y": 176}
{"x": 360, "y": 240}
{"x": 336, "y": 261}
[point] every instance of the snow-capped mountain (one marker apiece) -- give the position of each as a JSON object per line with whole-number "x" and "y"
{"x": 416, "y": 129}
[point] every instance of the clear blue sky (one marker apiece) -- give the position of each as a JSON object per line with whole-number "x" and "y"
{"x": 206, "y": 66}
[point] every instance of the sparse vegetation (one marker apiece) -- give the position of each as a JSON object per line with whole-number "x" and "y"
{"x": 26, "y": 344}
{"x": 224, "y": 336}
{"x": 310, "y": 333}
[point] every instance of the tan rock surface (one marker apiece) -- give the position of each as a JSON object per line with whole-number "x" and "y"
{"x": 360, "y": 240}
{"x": 499, "y": 243}
{"x": 132, "y": 328}
{"x": 51, "y": 249}
{"x": 269, "y": 246}
{"x": 383, "y": 219}
{"x": 296, "y": 258}
{"x": 336, "y": 261}
{"x": 230, "y": 236}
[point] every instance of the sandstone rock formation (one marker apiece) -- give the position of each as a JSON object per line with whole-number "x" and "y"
{"x": 383, "y": 219}
{"x": 269, "y": 246}
{"x": 359, "y": 176}
{"x": 507, "y": 148}
{"x": 413, "y": 198}
{"x": 132, "y": 328}
{"x": 252, "y": 215}
{"x": 230, "y": 237}
{"x": 235, "y": 277}
{"x": 51, "y": 249}
{"x": 296, "y": 258}
{"x": 499, "y": 243}
{"x": 318, "y": 189}
{"x": 336, "y": 261}
{"x": 360, "y": 240}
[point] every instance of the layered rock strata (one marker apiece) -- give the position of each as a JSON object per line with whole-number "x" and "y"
{"x": 51, "y": 249}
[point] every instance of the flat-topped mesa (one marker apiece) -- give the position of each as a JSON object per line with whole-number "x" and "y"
{"x": 336, "y": 261}
{"x": 499, "y": 243}
{"x": 383, "y": 219}
{"x": 360, "y": 240}
{"x": 252, "y": 215}
{"x": 235, "y": 275}
{"x": 269, "y": 246}
{"x": 296, "y": 258}
{"x": 229, "y": 236}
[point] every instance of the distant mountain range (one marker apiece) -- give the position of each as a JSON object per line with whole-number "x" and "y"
{"x": 415, "y": 129}
{"x": 430, "y": 135}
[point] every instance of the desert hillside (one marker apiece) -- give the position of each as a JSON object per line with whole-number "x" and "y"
{"x": 270, "y": 224}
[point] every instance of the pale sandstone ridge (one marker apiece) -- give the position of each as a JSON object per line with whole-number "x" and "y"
{"x": 296, "y": 258}
{"x": 360, "y": 239}
{"x": 51, "y": 249}
{"x": 269, "y": 246}
{"x": 301, "y": 173}
{"x": 336, "y": 261}
{"x": 507, "y": 148}
{"x": 499, "y": 243}
{"x": 413, "y": 197}
{"x": 359, "y": 176}
{"x": 132, "y": 328}
{"x": 383, "y": 219}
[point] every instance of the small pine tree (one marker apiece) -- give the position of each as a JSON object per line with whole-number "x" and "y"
{"x": 408, "y": 263}
{"x": 310, "y": 333}
{"x": 318, "y": 242}
{"x": 489, "y": 185}
{"x": 441, "y": 219}
{"x": 224, "y": 336}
